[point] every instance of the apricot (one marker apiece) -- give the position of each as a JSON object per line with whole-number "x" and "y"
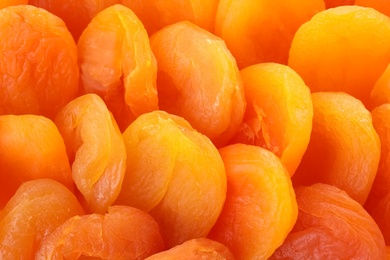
{"x": 37, "y": 209}
{"x": 6, "y": 3}
{"x": 194, "y": 249}
{"x": 116, "y": 63}
{"x": 379, "y": 5}
{"x": 198, "y": 79}
{"x": 379, "y": 209}
{"x": 96, "y": 150}
{"x": 76, "y": 14}
{"x": 335, "y": 3}
{"x": 260, "y": 207}
{"x": 38, "y": 65}
{"x": 279, "y": 112}
{"x": 380, "y": 93}
{"x": 344, "y": 148}
{"x": 31, "y": 148}
{"x": 331, "y": 225}
{"x": 174, "y": 173}
{"x": 345, "y": 49}
{"x": 262, "y": 31}
{"x": 122, "y": 233}
{"x": 156, "y": 14}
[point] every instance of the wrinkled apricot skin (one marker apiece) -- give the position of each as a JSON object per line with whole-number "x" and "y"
{"x": 31, "y": 147}
{"x": 331, "y": 225}
{"x": 344, "y": 148}
{"x": 117, "y": 64}
{"x": 156, "y": 14}
{"x": 379, "y": 5}
{"x": 174, "y": 173}
{"x": 194, "y": 249}
{"x": 96, "y": 150}
{"x": 341, "y": 49}
{"x": 259, "y": 196}
{"x": 279, "y": 112}
{"x": 37, "y": 209}
{"x": 262, "y": 31}
{"x": 38, "y": 64}
{"x": 122, "y": 233}
{"x": 379, "y": 209}
{"x": 198, "y": 79}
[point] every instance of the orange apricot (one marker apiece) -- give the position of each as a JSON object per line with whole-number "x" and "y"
{"x": 37, "y": 209}
{"x": 122, "y": 233}
{"x": 344, "y": 148}
{"x": 379, "y": 5}
{"x": 345, "y": 48}
{"x": 335, "y": 3}
{"x": 279, "y": 112}
{"x": 194, "y": 249}
{"x": 331, "y": 225}
{"x": 260, "y": 208}
{"x": 262, "y": 31}
{"x": 38, "y": 65}
{"x": 381, "y": 123}
{"x": 156, "y": 14}
{"x": 76, "y": 14}
{"x": 174, "y": 173}
{"x": 198, "y": 79}
{"x": 379, "y": 209}
{"x": 6, "y": 3}
{"x": 380, "y": 93}
{"x": 116, "y": 63}
{"x": 95, "y": 148}
{"x": 31, "y": 147}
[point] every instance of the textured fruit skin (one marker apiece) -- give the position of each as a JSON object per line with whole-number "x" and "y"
{"x": 379, "y": 5}
{"x": 199, "y": 80}
{"x": 380, "y": 93}
{"x": 344, "y": 148}
{"x": 194, "y": 249}
{"x": 174, "y": 173}
{"x": 38, "y": 64}
{"x": 279, "y": 112}
{"x": 331, "y": 225}
{"x": 6, "y": 3}
{"x": 37, "y": 209}
{"x": 262, "y": 31}
{"x": 341, "y": 49}
{"x": 122, "y": 233}
{"x": 259, "y": 196}
{"x": 31, "y": 147}
{"x": 117, "y": 63}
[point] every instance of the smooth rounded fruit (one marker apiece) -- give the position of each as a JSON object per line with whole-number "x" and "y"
{"x": 194, "y": 249}
{"x": 260, "y": 207}
{"x": 96, "y": 150}
{"x": 279, "y": 112}
{"x": 31, "y": 147}
{"x": 156, "y": 14}
{"x": 331, "y": 225}
{"x": 116, "y": 63}
{"x": 198, "y": 79}
{"x": 38, "y": 65}
{"x": 34, "y": 212}
{"x": 174, "y": 173}
{"x": 262, "y": 31}
{"x": 342, "y": 49}
{"x": 122, "y": 233}
{"x": 344, "y": 148}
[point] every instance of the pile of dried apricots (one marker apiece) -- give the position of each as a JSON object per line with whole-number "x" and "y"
{"x": 195, "y": 129}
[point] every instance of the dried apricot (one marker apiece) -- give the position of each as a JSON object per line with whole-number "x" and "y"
{"x": 344, "y": 148}
{"x": 96, "y": 150}
{"x": 31, "y": 147}
{"x": 116, "y": 63}
{"x": 345, "y": 48}
{"x": 380, "y": 93}
{"x": 37, "y": 209}
{"x": 379, "y": 5}
{"x": 122, "y": 233}
{"x": 194, "y": 249}
{"x": 156, "y": 14}
{"x": 174, "y": 173}
{"x": 198, "y": 79}
{"x": 38, "y": 65}
{"x": 260, "y": 208}
{"x": 279, "y": 112}
{"x": 262, "y": 31}
{"x": 76, "y": 14}
{"x": 379, "y": 209}
{"x": 335, "y": 3}
{"x": 6, "y": 3}
{"x": 331, "y": 225}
